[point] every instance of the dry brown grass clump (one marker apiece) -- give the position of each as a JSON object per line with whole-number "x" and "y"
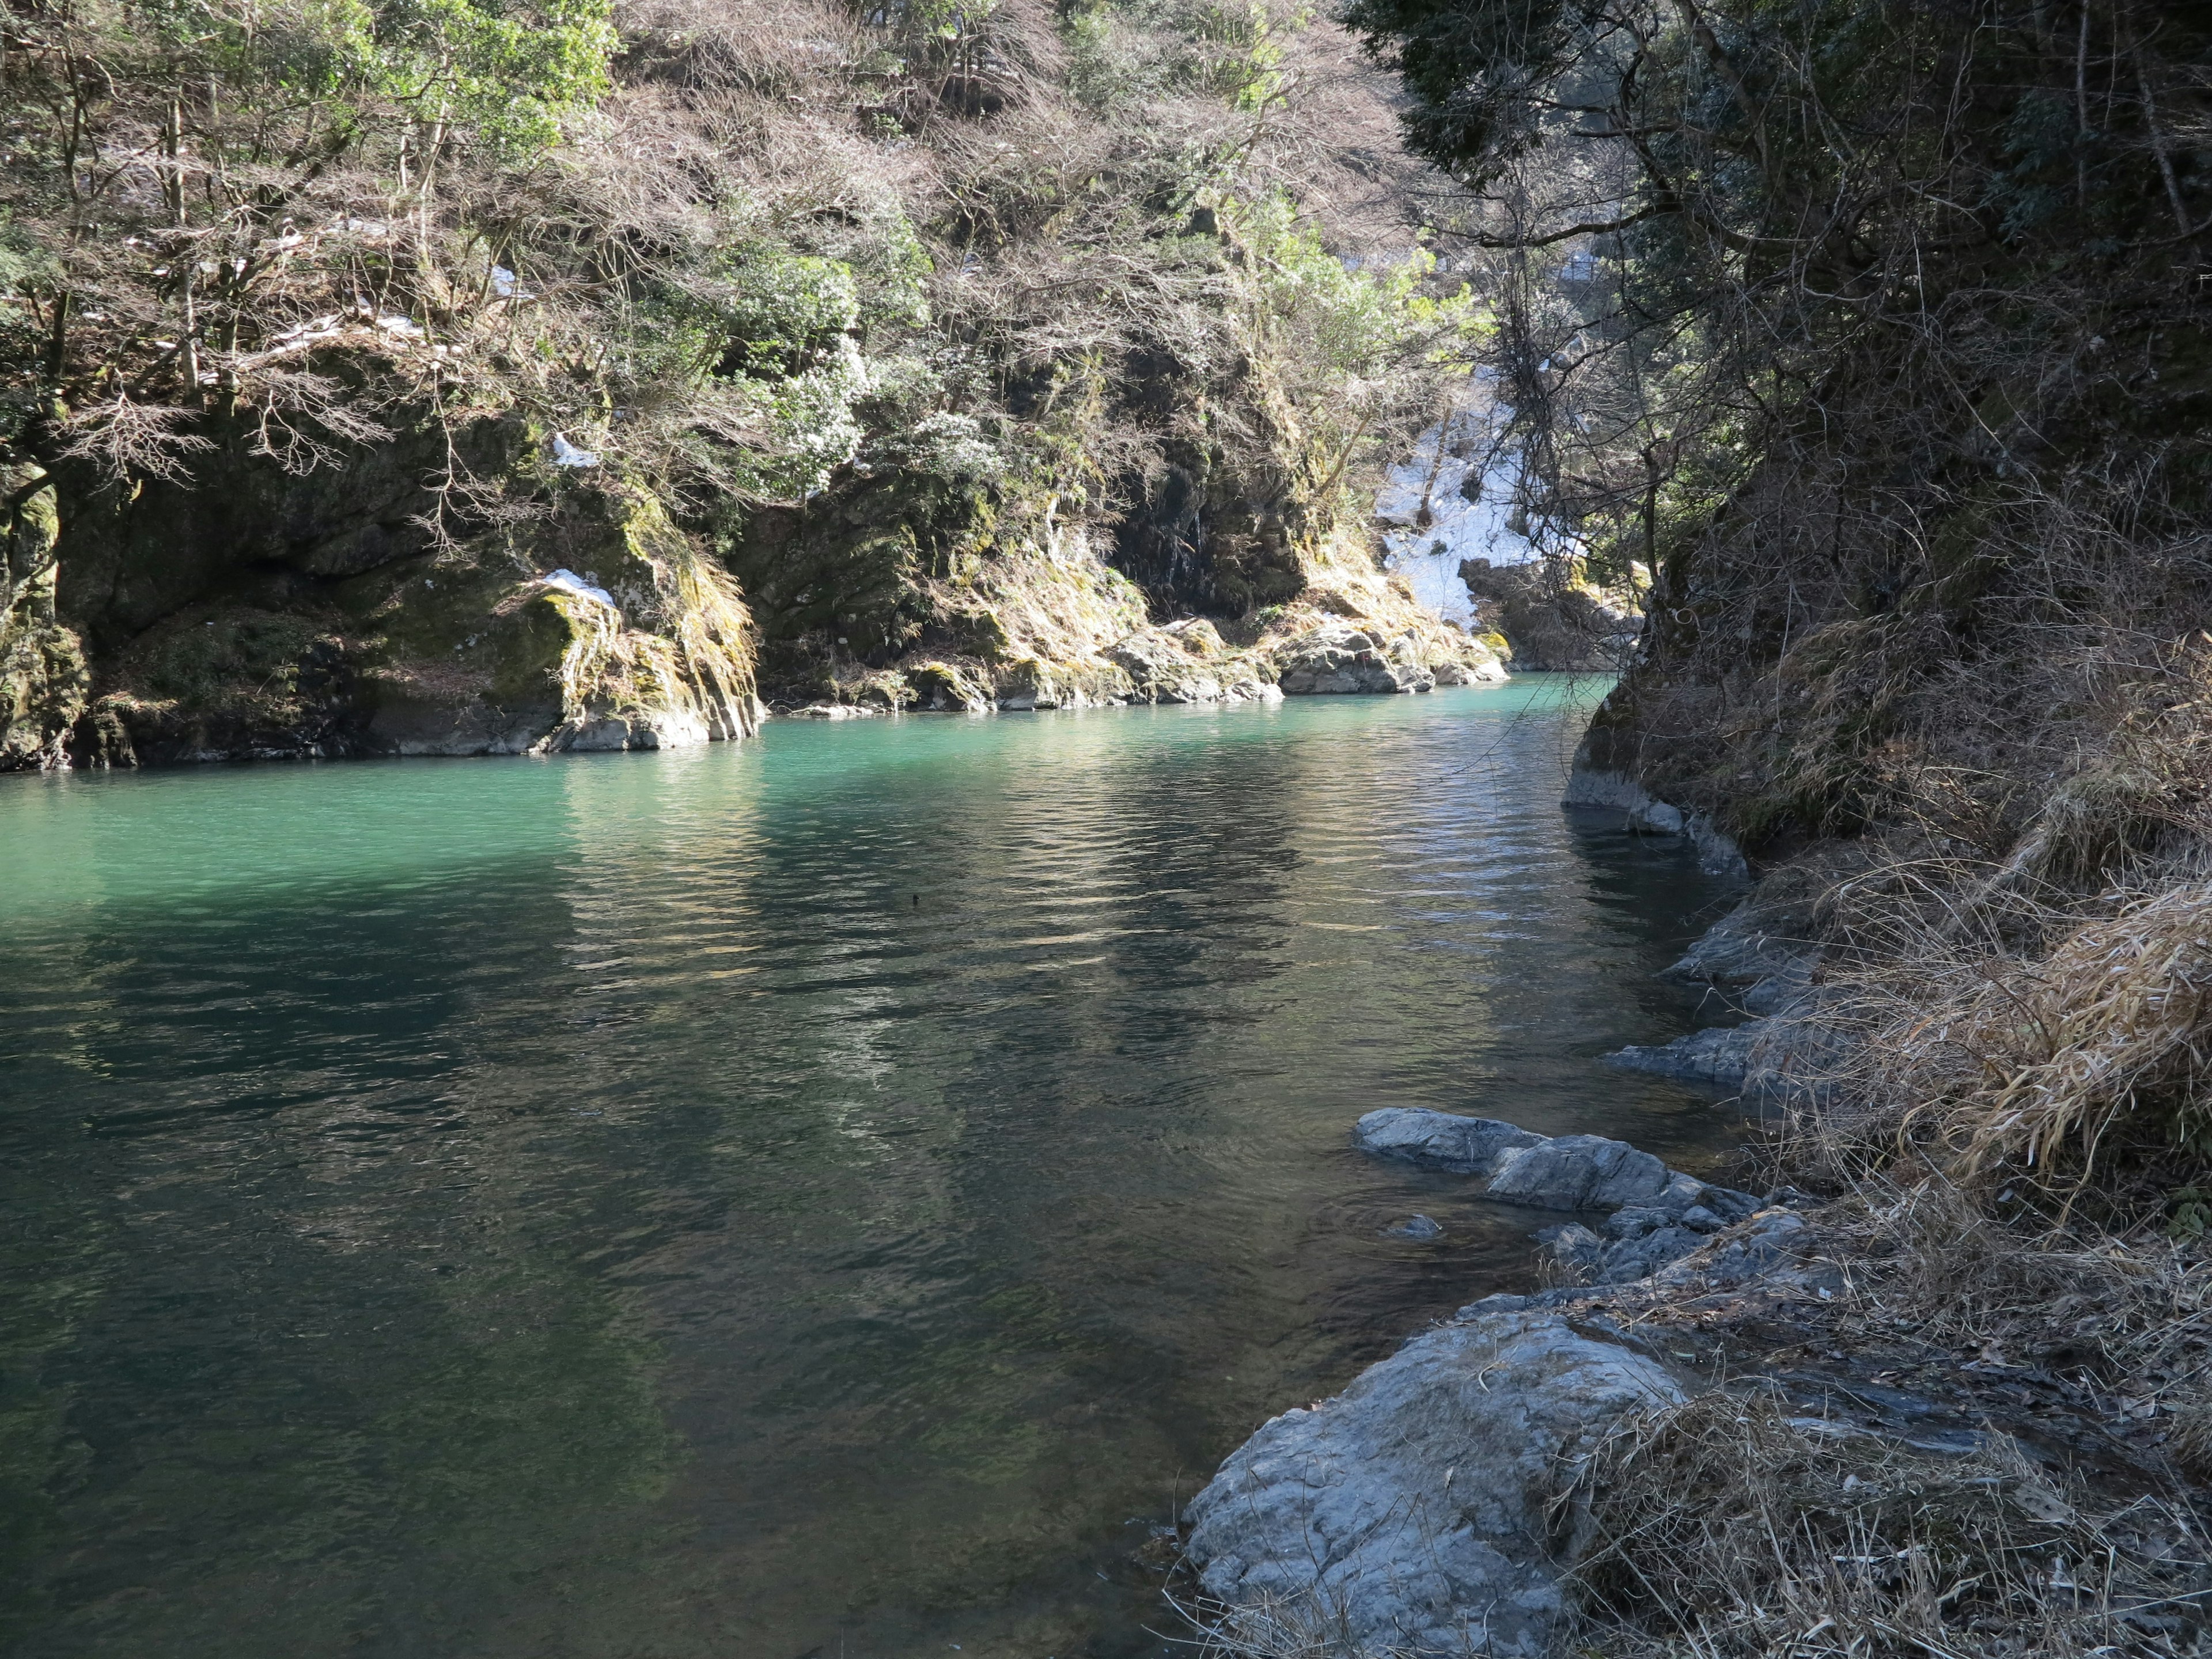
{"x": 2114, "y": 1025}
{"x": 2019, "y": 979}
{"x": 1727, "y": 1526}
{"x": 2049, "y": 1046}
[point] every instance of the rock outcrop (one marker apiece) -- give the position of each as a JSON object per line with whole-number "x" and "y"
{"x": 1408, "y": 1514}
{"x": 42, "y": 668}
{"x": 1554, "y": 617}
{"x": 1412, "y": 1515}
{"x": 1643, "y": 812}
{"x": 1359, "y": 635}
{"x": 1339, "y": 659}
{"x": 1725, "y": 1056}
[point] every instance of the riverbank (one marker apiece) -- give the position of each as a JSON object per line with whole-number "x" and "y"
{"x": 1881, "y": 1420}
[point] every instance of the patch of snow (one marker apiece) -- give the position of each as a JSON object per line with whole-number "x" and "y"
{"x": 566, "y": 454}
{"x": 569, "y": 582}
{"x": 1428, "y": 556}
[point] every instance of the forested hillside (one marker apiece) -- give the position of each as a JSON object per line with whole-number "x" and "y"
{"x": 1892, "y": 362}
{"x": 908, "y": 354}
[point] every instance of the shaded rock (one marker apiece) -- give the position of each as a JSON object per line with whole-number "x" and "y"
{"x": 1408, "y": 1514}
{"x": 1630, "y": 1260}
{"x": 1743, "y": 947}
{"x": 1659, "y": 1214}
{"x": 1774, "y": 1239}
{"x": 1568, "y": 1172}
{"x": 1773, "y": 1055}
{"x": 1554, "y": 617}
{"x": 1720, "y": 1054}
{"x": 1574, "y": 1248}
{"x": 1438, "y": 1140}
{"x": 1757, "y": 945}
{"x": 1590, "y": 787}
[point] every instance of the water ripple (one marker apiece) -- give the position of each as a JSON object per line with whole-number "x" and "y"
{"x": 812, "y": 1193}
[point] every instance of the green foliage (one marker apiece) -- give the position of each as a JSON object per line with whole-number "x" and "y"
{"x": 780, "y": 313}
{"x": 508, "y": 72}
{"x": 1355, "y": 322}
{"x": 1123, "y": 51}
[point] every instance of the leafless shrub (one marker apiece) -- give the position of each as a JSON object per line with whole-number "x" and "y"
{"x": 125, "y": 439}
{"x": 303, "y": 420}
{"x": 776, "y": 48}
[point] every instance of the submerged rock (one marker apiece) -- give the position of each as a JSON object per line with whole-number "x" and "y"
{"x": 1775, "y": 1056}
{"x": 1659, "y": 1215}
{"x": 1588, "y": 786}
{"x": 1408, "y": 1514}
{"x": 1758, "y": 949}
{"x": 1566, "y": 1172}
{"x": 1721, "y": 1055}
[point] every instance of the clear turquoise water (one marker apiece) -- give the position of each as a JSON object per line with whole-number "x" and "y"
{"x": 829, "y": 1195}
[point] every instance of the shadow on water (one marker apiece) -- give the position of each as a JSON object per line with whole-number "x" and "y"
{"x": 832, "y": 1195}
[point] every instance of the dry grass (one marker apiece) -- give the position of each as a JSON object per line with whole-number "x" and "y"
{"x": 2018, "y": 978}
{"x": 1286, "y": 1627}
{"x": 2111, "y": 1032}
{"x": 1728, "y": 1526}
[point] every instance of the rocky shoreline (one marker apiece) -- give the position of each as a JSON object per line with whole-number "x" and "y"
{"x": 1190, "y": 661}
{"x": 1409, "y": 1512}
{"x": 1442, "y": 1504}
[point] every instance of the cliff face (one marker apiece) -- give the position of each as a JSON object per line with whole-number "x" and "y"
{"x": 243, "y": 611}
{"x": 845, "y": 361}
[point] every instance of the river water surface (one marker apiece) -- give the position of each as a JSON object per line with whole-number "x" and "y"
{"x": 827, "y": 1195}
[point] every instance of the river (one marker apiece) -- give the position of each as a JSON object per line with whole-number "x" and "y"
{"x": 830, "y": 1195}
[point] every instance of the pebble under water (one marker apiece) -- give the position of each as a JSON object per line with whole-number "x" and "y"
{"x": 832, "y": 1195}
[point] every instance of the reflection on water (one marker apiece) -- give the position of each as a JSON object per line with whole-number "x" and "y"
{"x": 831, "y": 1194}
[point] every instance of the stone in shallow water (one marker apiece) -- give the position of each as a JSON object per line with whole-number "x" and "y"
{"x": 1659, "y": 1214}
{"x": 1719, "y": 1054}
{"x": 1579, "y": 1172}
{"x": 1566, "y": 1172}
{"x": 1438, "y": 1140}
{"x": 1417, "y": 1227}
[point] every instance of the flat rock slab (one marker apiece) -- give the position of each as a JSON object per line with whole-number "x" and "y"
{"x": 1407, "y": 1514}
{"x": 1439, "y": 1140}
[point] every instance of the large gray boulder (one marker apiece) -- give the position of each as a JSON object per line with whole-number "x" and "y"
{"x": 1407, "y": 1516}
